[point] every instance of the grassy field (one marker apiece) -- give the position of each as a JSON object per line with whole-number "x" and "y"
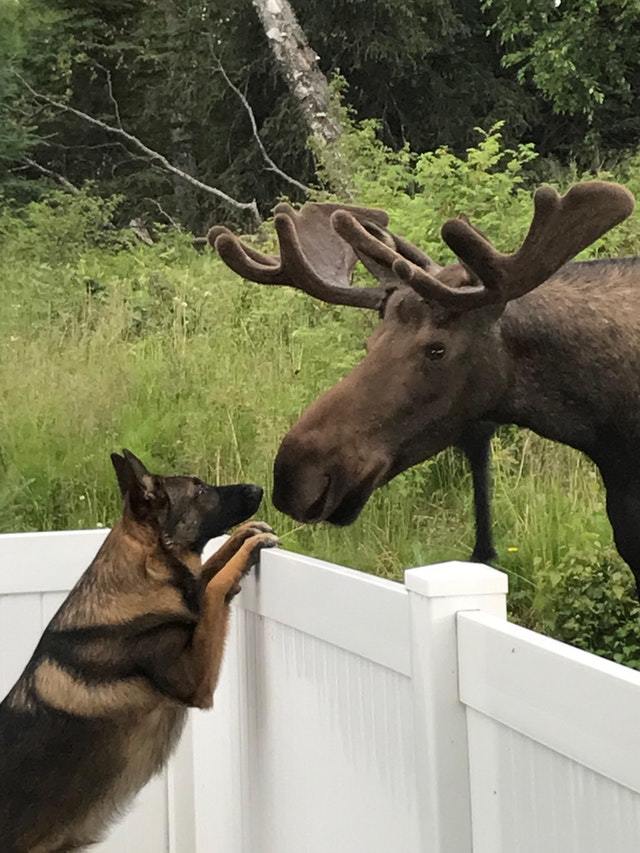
{"x": 164, "y": 351}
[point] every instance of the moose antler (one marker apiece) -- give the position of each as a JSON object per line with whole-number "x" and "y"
{"x": 561, "y": 228}
{"x": 313, "y": 258}
{"x": 423, "y": 279}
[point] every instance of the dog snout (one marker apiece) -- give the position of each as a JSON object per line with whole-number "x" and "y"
{"x": 253, "y": 497}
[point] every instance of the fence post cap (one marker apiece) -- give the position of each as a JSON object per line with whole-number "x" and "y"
{"x": 456, "y": 578}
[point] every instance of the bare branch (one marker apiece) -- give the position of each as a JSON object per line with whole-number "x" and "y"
{"x": 164, "y": 213}
{"x": 251, "y": 206}
{"x": 51, "y": 174}
{"x": 116, "y": 108}
{"x": 245, "y": 103}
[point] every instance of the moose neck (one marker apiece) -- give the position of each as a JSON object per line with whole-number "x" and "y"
{"x": 570, "y": 354}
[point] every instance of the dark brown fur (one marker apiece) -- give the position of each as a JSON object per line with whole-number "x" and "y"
{"x": 525, "y": 338}
{"x": 139, "y": 639}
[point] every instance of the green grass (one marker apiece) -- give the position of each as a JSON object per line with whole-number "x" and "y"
{"x": 197, "y": 372}
{"x": 107, "y": 344}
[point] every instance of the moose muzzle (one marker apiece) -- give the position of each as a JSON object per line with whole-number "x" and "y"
{"x": 313, "y": 483}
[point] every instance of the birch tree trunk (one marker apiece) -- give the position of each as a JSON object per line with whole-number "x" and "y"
{"x": 299, "y": 63}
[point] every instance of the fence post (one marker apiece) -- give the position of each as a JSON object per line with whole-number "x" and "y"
{"x": 436, "y": 594}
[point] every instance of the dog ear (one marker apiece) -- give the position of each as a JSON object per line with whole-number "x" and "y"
{"x": 138, "y": 467}
{"x": 143, "y": 492}
{"x": 123, "y": 472}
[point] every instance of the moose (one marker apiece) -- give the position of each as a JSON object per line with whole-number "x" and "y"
{"x": 530, "y": 338}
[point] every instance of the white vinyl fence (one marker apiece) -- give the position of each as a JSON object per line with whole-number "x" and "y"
{"x": 357, "y": 715}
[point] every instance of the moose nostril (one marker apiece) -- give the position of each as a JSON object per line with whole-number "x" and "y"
{"x": 302, "y": 481}
{"x": 315, "y": 510}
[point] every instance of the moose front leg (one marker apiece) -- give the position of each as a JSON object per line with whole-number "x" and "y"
{"x": 475, "y": 443}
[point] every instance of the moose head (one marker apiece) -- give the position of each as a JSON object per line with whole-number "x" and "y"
{"x": 442, "y": 356}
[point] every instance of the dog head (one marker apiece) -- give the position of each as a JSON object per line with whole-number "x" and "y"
{"x": 185, "y": 511}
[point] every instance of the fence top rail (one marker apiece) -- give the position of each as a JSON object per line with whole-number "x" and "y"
{"x": 330, "y": 602}
{"x": 575, "y": 703}
{"x": 334, "y": 604}
{"x": 46, "y": 562}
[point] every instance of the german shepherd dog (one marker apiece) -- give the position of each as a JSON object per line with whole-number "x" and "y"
{"x": 139, "y": 639}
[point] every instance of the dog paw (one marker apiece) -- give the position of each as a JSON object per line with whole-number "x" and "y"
{"x": 250, "y": 528}
{"x": 242, "y": 563}
{"x": 254, "y": 544}
{"x": 260, "y": 526}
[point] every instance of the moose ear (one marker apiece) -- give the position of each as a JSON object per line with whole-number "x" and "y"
{"x": 144, "y": 491}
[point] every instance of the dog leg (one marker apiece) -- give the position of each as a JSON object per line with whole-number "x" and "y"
{"x": 217, "y": 561}
{"x": 210, "y": 634}
{"x": 192, "y": 676}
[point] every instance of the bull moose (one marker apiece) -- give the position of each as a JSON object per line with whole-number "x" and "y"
{"x": 527, "y": 339}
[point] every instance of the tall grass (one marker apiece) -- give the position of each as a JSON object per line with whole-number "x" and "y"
{"x": 166, "y": 352}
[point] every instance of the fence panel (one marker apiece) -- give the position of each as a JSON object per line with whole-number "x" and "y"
{"x": 315, "y": 720}
{"x": 553, "y": 741}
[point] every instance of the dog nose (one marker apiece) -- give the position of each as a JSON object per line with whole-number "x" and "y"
{"x": 253, "y": 496}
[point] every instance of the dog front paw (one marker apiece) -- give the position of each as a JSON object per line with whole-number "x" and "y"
{"x": 248, "y": 556}
{"x": 255, "y": 543}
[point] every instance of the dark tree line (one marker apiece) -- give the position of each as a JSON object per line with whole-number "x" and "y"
{"x": 565, "y": 76}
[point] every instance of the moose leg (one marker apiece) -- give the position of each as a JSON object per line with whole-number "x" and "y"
{"x": 623, "y": 509}
{"x": 475, "y": 443}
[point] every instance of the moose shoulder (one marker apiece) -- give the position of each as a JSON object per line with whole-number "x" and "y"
{"x": 526, "y": 338}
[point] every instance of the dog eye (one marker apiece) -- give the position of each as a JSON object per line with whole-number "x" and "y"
{"x": 436, "y": 351}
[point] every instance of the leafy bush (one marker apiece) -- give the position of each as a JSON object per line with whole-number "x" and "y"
{"x": 593, "y": 605}
{"x": 60, "y": 226}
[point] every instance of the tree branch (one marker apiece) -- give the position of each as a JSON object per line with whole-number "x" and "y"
{"x": 116, "y": 108}
{"x": 163, "y": 212}
{"x": 51, "y": 174}
{"x": 245, "y": 103}
{"x": 251, "y": 206}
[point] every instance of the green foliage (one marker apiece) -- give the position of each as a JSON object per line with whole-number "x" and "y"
{"x": 14, "y": 135}
{"x": 491, "y": 183}
{"x": 106, "y": 343}
{"x": 432, "y": 70}
{"x": 594, "y": 606}
{"x": 61, "y": 225}
{"x": 583, "y": 55}
{"x": 577, "y": 52}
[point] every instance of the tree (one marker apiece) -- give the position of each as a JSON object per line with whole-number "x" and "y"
{"x": 18, "y": 22}
{"x": 583, "y": 56}
{"x": 299, "y": 64}
{"x": 430, "y": 71}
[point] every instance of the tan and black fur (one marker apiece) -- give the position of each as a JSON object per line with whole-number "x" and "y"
{"x": 139, "y": 639}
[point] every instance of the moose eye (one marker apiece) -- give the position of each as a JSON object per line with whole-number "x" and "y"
{"x": 436, "y": 351}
